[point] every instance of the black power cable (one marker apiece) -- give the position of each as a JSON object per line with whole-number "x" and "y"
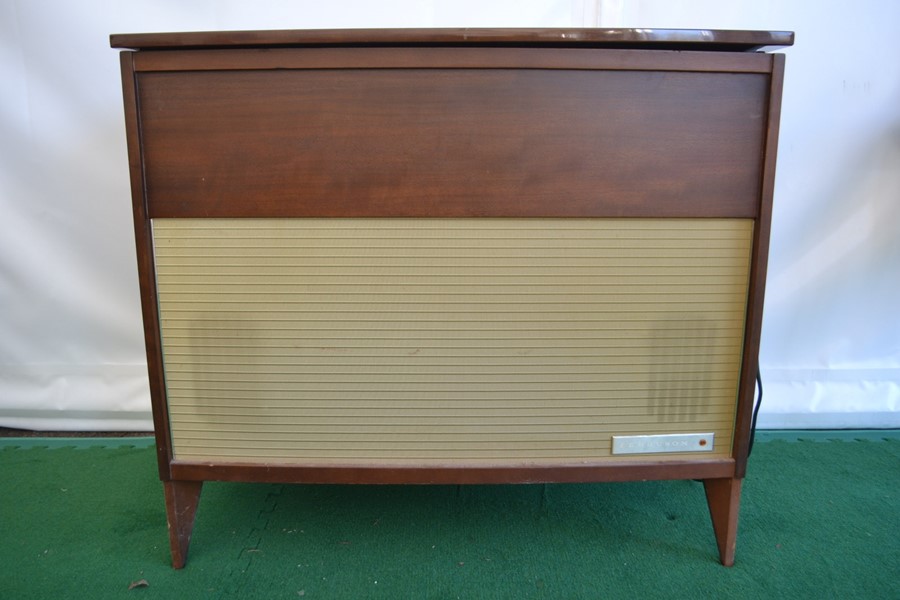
{"x": 759, "y": 398}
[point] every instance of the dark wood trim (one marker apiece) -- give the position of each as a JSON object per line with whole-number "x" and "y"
{"x": 452, "y": 143}
{"x": 723, "y": 496}
{"x": 450, "y": 58}
{"x": 143, "y": 238}
{"x": 182, "y": 499}
{"x": 676, "y": 39}
{"x": 454, "y": 473}
{"x": 757, "y": 292}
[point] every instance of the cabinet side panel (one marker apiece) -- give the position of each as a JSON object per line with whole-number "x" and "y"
{"x": 758, "y": 272}
{"x": 442, "y": 341}
{"x": 143, "y": 238}
{"x": 452, "y": 143}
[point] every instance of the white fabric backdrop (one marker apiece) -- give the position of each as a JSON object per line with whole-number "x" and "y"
{"x": 71, "y": 349}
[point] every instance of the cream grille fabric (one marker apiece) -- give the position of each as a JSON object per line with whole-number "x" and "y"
{"x": 438, "y": 341}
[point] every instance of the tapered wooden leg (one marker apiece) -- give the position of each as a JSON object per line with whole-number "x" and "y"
{"x": 724, "y": 498}
{"x": 182, "y": 498}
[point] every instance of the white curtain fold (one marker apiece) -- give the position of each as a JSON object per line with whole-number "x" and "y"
{"x": 71, "y": 339}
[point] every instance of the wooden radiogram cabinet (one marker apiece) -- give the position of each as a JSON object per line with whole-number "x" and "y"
{"x": 452, "y": 256}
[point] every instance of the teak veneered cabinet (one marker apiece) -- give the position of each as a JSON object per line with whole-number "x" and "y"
{"x": 452, "y": 255}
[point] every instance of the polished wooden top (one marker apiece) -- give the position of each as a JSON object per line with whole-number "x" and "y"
{"x": 660, "y": 39}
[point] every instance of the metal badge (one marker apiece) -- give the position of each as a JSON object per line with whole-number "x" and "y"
{"x": 654, "y": 444}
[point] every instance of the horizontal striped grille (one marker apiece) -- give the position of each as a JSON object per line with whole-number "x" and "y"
{"x": 436, "y": 341}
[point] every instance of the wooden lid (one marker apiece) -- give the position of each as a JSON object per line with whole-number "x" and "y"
{"x": 659, "y": 39}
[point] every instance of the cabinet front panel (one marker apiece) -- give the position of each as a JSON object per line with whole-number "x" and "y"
{"x": 452, "y": 143}
{"x": 448, "y": 341}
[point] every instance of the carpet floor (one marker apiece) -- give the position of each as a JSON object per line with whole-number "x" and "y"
{"x": 820, "y": 518}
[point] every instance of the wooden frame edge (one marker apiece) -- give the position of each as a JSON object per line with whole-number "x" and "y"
{"x": 753, "y": 327}
{"x": 450, "y": 58}
{"x": 453, "y": 474}
{"x": 143, "y": 238}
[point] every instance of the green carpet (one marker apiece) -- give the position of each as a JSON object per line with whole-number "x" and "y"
{"x": 820, "y": 518}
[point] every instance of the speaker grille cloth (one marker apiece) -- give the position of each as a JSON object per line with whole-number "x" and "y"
{"x": 443, "y": 341}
